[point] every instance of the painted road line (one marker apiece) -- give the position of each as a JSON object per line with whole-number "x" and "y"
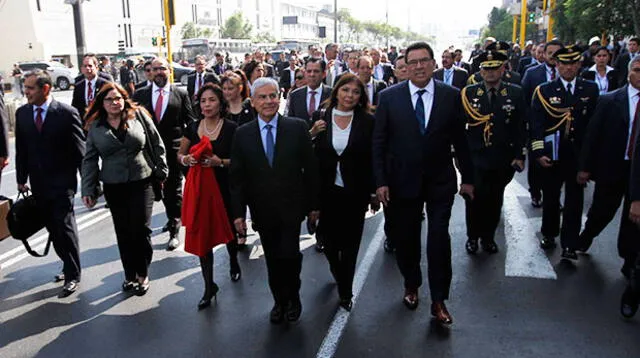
{"x": 22, "y": 256}
{"x": 524, "y": 258}
{"x": 8, "y": 172}
{"x": 331, "y": 340}
{"x": 42, "y": 238}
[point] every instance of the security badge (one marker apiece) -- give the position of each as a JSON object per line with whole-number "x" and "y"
{"x": 555, "y": 100}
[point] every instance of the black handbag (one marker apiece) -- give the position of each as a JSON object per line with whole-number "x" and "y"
{"x": 24, "y": 220}
{"x": 156, "y": 184}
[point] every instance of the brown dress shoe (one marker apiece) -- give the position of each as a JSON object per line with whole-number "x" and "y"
{"x": 439, "y": 311}
{"x": 410, "y": 299}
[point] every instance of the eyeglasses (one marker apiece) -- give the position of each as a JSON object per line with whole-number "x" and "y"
{"x": 299, "y": 77}
{"x": 159, "y": 68}
{"x": 113, "y": 99}
{"x": 423, "y": 61}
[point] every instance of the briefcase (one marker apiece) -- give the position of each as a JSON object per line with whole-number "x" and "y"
{"x": 24, "y": 220}
{"x": 5, "y": 205}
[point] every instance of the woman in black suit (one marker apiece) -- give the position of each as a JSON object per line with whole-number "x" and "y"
{"x": 342, "y": 132}
{"x": 605, "y": 76}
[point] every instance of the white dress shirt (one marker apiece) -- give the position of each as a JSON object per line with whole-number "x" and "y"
{"x": 292, "y": 79}
{"x": 196, "y": 88}
{"x": 378, "y": 72}
{"x": 573, "y": 85}
{"x": 44, "y": 106}
{"x": 86, "y": 89}
{"x": 633, "y": 102}
{"x": 318, "y": 96}
{"x": 550, "y": 70}
{"x": 603, "y": 82}
{"x": 447, "y": 76}
{"x": 427, "y": 98}
{"x": 165, "y": 97}
{"x": 263, "y": 131}
{"x": 339, "y": 141}
{"x": 369, "y": 86}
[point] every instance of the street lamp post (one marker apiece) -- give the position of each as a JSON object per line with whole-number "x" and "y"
{"x": 78, "y": 23}
{"x": 335, "y": 21}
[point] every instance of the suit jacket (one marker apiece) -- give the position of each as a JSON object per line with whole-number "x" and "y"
{"x": 605, "y": 143}
{"x": 220, "y": 69}
{"x": 79, "y": 101}
{"x": 378, "y": 86}
{"x": 459, "y": 80}
{"x": 269, "y": 70}
{"x": 50, "y": 159}
{"x": 142, "y": 84}
{"x": 508, "y": 76}
{"x": 465, "y": 66}
{"x": 355, "y": 161}
{"x": 176, "y": 117}
{"x": 533, "y": 77}
{"x": 634, "y": 181}
{"x": 208, "y": 77}
{"x": 524, "y": 63}
{"x": 285, "y": 78}
{"x": 622, "y": 65}
{"x": 582, "y": 103}
{"x": 298, "y": 102}
{"x": 4, "y": 124}
{"x": 284, "y": 193}
{"x": 387, "y": 73}
{"x": 404, "y": 159}
{"x": 612, "y": 77}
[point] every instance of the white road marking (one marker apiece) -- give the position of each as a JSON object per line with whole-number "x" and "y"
{"x": 8, "y": 172}
{"x": 524, "y": 256}
{"x": 332, "y": 338}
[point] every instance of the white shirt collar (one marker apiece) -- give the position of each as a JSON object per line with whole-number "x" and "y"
{"x": 594, "y": 69}
{"x": 166, "y": 87}
{"x": 47, "y": 103}
{"x": 318, "y": 90}
{"x": 632, "y": 91}
{"x": 273, "y": 122}
{"x": 413, "y": 89}
{"x": 93, "y": 82}
{"x": 573, "y": 84}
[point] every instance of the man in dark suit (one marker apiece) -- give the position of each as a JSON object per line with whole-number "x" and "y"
{"x": 458, "y": 62}
{"x": 372, "y": 86}
{"x": 274, "y": 171}
{"x": 560, "y": 113}
{"x": 449, "y": 74}
{"x": 269, "y": 71}
{"x": 631, "y": 296}
{"x": 172, "y": 112}
{"x": 622, "y": 63}
{"x": 416, "y": 124}
{"x": 536, "y": 57}
{"x": 606, "y": 158}
{"x": 534, "y": 77}
{"x": 288, "y": 76}
{"x": 381, "y": 71}
{"x": 196, "y": 80}
{"x": 148, "y": 74}
{"x": 49, "y": 151}
{"x": 85, "y": 91}
{"x": 306, "y": 100}
{"x": 220, "y": 67}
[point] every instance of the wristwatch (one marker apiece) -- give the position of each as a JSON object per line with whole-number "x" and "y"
{"x": 221, "y": 164}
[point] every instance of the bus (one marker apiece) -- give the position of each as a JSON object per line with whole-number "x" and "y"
{"x": 207, "y": 47}
{"x": 299, "y": 45}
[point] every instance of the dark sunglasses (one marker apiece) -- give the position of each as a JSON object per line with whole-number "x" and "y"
{"x": 299, "y": 77}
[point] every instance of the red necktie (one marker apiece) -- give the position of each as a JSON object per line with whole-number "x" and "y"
{"x": 89, "y": 93}
{"x": 634, "y": 130}
{"x": 312, "y": 103}
{"x": 158, "y": 108}
{"x": 39, "y": 121}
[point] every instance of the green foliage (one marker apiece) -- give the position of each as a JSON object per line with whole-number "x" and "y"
{"x": 190, "y": 30}
{"x": 237, "y": 27}
{"x": 582, "y": 19}
{"x": 264, "y": 37}
{"x": 501, "y": 26}
{"x": 377, "y": 29}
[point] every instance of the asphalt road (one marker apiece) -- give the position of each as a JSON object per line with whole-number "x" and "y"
{"x": 521, "y": 302}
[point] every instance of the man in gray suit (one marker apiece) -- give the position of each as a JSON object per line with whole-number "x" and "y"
{"x": 274, "y": 171}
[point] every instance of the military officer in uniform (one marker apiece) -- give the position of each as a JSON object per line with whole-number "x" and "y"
{"x": 495, "y": 113}
{"x": 508, "y": 76}
{"x": 561, "y": 110}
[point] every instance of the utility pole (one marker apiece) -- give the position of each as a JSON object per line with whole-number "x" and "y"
{"x": 550, "y": 10}
{"x": 514, "y": 35}
{"x": 169, "y": 19}
{"x": 78, "y": 23}
{"x": 523, "y": 23}
{"x": 335, "y": 21}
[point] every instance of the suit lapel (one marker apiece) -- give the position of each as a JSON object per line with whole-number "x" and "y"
{"x": 408, "y": 104}
{"x": 149, "y": 101}
{"x": 434, "y": 107}
{"x": 173, "y": 102}
{"x": 281, "y": 136}
{"x": 623, "y": 101}
{"x": 257, "y": 139}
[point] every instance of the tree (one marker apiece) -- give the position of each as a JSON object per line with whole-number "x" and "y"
{"x": 581, "y": 19}
{"x": 190, "y": 30}
{"x": 264, "y": 37}
{"x": 237, "y": 27}
{"x": 501, "y": 26}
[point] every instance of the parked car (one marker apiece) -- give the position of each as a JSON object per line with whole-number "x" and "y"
{"x": 61, "y": 75}
{"x": 180, "y": 73}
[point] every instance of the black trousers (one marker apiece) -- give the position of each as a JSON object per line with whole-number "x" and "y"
{"x": 60, "y": 221}
{"x": 131, "y": 205}
{"x": 535, "y": 178}
{"x": 342, "y": 224}
{"x": 173, "y": 188}
{"x": 406, "y": 218}
{"x": 281, "y": 244}
{"x": 606, "y": 201}
{"x": 563, "y": 172}
{"x": 484, "y": 211}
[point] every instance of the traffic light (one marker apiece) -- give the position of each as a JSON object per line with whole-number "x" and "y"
{"x": 154, "y": 41}
{"x": 532, "y": 17}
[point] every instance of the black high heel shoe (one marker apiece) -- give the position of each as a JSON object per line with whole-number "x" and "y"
{"x": 206, "y": 299}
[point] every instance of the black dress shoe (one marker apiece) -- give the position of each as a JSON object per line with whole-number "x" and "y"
{"x": 69, "y": 287}
{"x": 388, "y": 246}
{"x": 235, "y": 273}
{"x": 206, "y": 299}
{"x": 569, "y": 254}
{"x": 440, "y": 313}
{"x": 294, "y": 310}
{"x": 536, "y": 202}
{"x": 489, "y": 246}
{"x": 584, "y": 243}
{"x": 411, "y": 300}
{"x": 548, "y": 243}
{"x": 471, "y": 246}
{"x": 129, "y": 286}
{"x": 59, "y": 277}
{"x": 346, "y": 304}
{"x": 173, "y": 243}
{"x": 143, "y": 287}
{"x": 629, "y": 303}
{"x": 319, "y": 246}
{"x": 277, "y": 314}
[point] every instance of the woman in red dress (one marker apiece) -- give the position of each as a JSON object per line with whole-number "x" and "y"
{"x": 206, "y": 149}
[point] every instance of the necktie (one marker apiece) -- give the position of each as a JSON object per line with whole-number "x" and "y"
{"x": 420, "y": 111}
{"x": 569, "y": 94}
{"x": 270, "y": 144}
{"x": 199, "y": 82}
{"x": 553, "y": 73}
{"x": 312, "y": 103}
{"x": 89, "y": 93}
{"x": 158, "y": 108}
{"x": 492, "y": 99}
{"x": 447, "y": 76}
{"x": 39, "y": 121}
{"x": 634, "y": 130}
